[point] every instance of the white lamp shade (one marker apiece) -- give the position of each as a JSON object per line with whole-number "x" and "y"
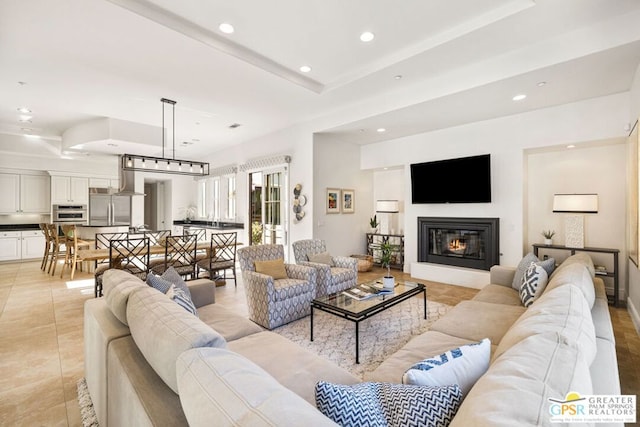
{"x": 387, "y": 206}
{"x": 576, "y": 203}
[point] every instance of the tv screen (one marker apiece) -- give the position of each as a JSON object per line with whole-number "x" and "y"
{"x": 462, "y": 180}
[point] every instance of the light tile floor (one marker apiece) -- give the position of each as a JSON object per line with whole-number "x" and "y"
{"x": 41, "y": 347}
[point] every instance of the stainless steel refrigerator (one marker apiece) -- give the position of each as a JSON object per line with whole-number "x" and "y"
{"x": 107, "y": 209}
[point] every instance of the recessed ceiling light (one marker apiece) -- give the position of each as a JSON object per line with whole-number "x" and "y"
{"x": 305, "y": 69}
{"x": 22, "y": 83}
{"x": 519, "y": 97}
{"x": 226, "y": 28}
{"x": 397, "y": 76}
{"x": 571, "y": 146}
{"x": 234, "y": 125}
{"x": 367, "y": 36}
{"x": 381, "y": 130}
{"x": 540, "y": 84}
{"x": 25, "y": 118}
{"x": 24, "y": 110}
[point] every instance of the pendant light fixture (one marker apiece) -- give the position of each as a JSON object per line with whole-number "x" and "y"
{"x": 165, "y": 164}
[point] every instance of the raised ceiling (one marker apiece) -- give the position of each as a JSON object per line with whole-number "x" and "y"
{"x": 83, "y": 61}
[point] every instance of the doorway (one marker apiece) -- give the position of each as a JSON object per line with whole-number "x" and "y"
{"x": 267, "y": 213}
{"x": 155, "y": 205}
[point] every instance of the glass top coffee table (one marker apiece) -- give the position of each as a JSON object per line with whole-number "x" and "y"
{"x": 356, "y": 310}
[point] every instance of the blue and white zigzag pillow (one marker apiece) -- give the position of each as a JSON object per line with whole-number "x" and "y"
{"x": 385, "y": 404}
{"x": 462, "y": 366}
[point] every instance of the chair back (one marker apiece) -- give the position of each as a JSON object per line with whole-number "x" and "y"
{"x": 248, "y": 255}
{"x": 302, "y": 249}
{"x": 157, "y": 238}
{"x": 180, "y": 253}
{"x": 223, "y": 248}
{"x": 131, "y": 255}
{"x": 103, "y": 239}
{"x": 200, "y": 233}
{"x": 70, "y": 235}
{"x": 54, "y": 235}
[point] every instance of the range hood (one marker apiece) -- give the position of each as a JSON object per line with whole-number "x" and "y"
{"x": 127, "y": 183}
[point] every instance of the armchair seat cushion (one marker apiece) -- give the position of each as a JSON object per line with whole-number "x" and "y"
{"x": 288, "y": 288}
{"x": 343, "y": 274}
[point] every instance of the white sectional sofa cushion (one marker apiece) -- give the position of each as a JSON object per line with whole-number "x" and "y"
{"x": 563, "y": 310}
{"x": 118, "y": 284}
{"x": 575, "y": 274}
{"x": 516, "y": 388}
{"x": 222, "y": 388}
{"x": 163, "y": 330}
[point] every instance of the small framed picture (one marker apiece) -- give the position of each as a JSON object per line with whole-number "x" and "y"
{"x": 348, "y": 201}
{"x": 333, "y": 200}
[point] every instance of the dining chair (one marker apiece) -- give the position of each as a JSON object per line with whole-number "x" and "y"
{"x": 157, "y": 238}
{"x": 72, "y": 244}
{"x": 180, "y": 253}
{"x": 221, "y": 256}
{"x": 103, "y": 241}
{"x": 47, "y": 246}
{"x": 58, "y": 248}
{"x": 131, "y": 255}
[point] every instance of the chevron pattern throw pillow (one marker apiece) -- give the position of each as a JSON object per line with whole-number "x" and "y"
{"x": 533, "y": 283}
{"x": 385, "y": 404}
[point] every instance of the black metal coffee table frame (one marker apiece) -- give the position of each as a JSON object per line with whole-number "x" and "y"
{"x": 383, "y": 302}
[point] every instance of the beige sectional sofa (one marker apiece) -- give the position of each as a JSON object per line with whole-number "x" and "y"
{"x": 149, "y": 362}
{"x": 140, "y": 371}
{"x": 563, "y": 342}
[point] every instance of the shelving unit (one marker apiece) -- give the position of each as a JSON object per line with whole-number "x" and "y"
{"x": 374, "y": 241}
{"x": 613, "y": 274}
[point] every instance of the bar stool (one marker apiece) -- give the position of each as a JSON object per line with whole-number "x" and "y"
{"x": 47, "y": 246}
{"x": 58, "y": 247}
{"x": 72, "y": 244}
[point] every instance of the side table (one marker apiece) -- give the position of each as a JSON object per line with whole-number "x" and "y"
{"x": 614, "y": 274}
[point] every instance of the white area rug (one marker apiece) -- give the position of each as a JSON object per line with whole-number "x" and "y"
{"x": 87, "y": 413}
{"x": 380, "y": 336}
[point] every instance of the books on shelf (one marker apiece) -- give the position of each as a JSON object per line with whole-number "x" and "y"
{"x": 367, "y": 290}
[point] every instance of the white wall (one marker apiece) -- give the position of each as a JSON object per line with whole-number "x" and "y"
{"x": 389, "y": 185}
{"x": 633, "y": 302}
{"x": 590, "y": 169}
{"x": 336, "y": 165}
{"x": 505, "y": 139}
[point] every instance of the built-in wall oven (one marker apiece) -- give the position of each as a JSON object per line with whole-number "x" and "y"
{"x": 70, "y": 213}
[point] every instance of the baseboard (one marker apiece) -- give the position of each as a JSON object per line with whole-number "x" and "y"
{"x": 635, "y": 317}
{"x": 460, "y": 276}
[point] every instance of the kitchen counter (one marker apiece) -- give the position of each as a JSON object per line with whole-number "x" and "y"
{"x": 19, "y": 227}
{"x": 221, "y": 225}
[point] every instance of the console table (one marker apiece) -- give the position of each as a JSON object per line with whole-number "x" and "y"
{"x": 374, "y": 241}
{"x": 614, "y": 273}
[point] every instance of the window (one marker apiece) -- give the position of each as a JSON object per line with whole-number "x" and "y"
{"x": 231, "y": 197}
{"x": 202, "y": 199}
{"x": 215, "y": 193}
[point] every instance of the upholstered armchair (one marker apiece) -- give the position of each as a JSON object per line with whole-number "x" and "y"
{"x": 334, "y": 273}
{"x": 282, "y": 292}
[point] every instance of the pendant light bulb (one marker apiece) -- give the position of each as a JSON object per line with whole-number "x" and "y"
{"x": 190, "y": 167}
{"x": 144, "y": 165}
{"x": 168, "y": 165}
{"x": 129, "y": 162}
{"x": 156, "y": 164}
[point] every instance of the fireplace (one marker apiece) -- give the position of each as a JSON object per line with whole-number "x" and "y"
{"x": 461, "y": 242}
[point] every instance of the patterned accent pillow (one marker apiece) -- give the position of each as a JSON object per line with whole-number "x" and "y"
{"x": 548, "y": 264}
{"x": 172, "y": 275}
{"x": 274, "y": 268}
{"x": 533, "y": 284}
{"x": 158, "y": 282}
{"x": 321, "y": 258}
{"x": 385, "y": 404}
{"x": 462, "y": 366}
{"x": 182, "y": 299}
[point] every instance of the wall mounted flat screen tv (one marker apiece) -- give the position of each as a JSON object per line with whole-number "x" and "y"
{"x": 462, "y": 180}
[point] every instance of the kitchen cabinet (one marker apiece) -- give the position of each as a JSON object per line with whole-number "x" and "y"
{"x": 10, "y": 247}
{"x": 16, "y": 245}
{"x": 109, "y": 183}
{"x": 24, "y": 193}
{"x": 69, "y": 189}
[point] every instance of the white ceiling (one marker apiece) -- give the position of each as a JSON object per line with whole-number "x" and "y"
{"x": 460, "y": 61}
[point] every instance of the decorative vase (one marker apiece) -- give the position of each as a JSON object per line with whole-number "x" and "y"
{"x": 373, "y": 230}
{"x": 388, "y": 282}
{"x": 548, "y": 242}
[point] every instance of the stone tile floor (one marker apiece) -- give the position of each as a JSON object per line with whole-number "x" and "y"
{"x": 41, "y": 347}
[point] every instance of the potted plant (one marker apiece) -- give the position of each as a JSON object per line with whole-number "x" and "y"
{"x": 373, "y": 224}
{"x": 386, "y": 256}
{"x": 548, "y": 236}
{"x": 190, "y": 213}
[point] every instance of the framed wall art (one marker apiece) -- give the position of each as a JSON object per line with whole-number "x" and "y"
{"x": 348, "y": 201}
{"x": 333, "y": 200}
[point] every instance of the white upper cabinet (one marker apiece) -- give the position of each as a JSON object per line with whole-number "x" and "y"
{"x": 69, "y": 189}
{"x": 24, "y": 193}
{"x": 34, "y": 194}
